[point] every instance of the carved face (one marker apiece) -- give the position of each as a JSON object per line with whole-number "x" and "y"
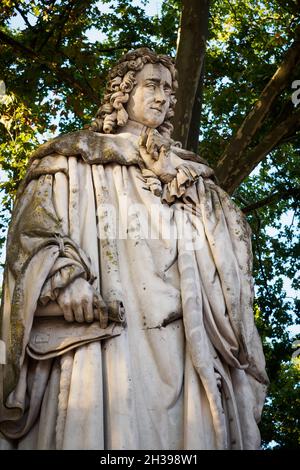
{"x": 150, "y": 98}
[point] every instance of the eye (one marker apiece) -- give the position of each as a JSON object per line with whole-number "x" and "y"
{"x": 151, "y": 85}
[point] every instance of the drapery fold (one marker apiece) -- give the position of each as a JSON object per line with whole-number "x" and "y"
{"x": 57, "y": 234}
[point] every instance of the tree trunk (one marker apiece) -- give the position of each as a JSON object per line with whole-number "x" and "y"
{"x": 236, "y": 163}
{"x": 189, "y": 62}
{"x": 252, "y": 158}
{"x": 194, "y": 130}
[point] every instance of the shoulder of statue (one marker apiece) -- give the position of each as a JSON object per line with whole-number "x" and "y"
{"x": 191, "y": 159}
{"x": 87, "y": 146}
{"x": 91, "y": 147}
{"x": 188, "y": 155}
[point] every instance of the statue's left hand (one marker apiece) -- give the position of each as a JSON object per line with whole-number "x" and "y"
{"x": 155, "y": 155}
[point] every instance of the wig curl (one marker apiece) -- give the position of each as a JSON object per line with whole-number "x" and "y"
{"x": 112, "y": 112}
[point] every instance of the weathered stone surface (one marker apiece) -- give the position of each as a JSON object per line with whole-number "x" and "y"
{"x": 118, "y": 225}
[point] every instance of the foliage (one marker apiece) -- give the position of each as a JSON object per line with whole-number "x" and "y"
{"x": 276, "y": 265}
{"x": 278, "y": 425}
{"x": 54, "y": 66}
{"x": 247, "y": 42}
{"x": 20, "y": 129}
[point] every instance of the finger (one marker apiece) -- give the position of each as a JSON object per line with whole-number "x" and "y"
{"x": 64, "y": 302}
{"x": 100, "y": 307}
{"x": 154, "y": 154}
{"x": 68, "y": 314}
{"x": 143, "y": 138}
{"x": 144, "y": 152}
{"x": 153, "y": 150}
{"x": 146, "y": 158}
{"x": 78, "y": 312}
{"x": 163, "y": 152}
{"x": 88, "y": 311}
{"x": 153, "y": 146}
{"x": 96, "y": 313}
{"x": 150, "y": 140}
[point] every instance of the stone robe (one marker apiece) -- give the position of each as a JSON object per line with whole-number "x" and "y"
{"x": 187, "y": 371}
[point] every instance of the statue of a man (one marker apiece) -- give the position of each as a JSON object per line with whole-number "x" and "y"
{"x": 127, "y": 304}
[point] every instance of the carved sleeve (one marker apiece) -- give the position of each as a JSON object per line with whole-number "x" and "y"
{"x": 37, "y": 223}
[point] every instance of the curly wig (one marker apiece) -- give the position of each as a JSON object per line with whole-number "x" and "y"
{"x": 112, "y": 112}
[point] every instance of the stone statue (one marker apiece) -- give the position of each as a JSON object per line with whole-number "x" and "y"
{"x": 127, "y": 305}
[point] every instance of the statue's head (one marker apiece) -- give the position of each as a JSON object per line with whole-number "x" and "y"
{"x": 142, "y": 88}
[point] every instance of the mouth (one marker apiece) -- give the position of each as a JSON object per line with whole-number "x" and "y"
{"x": 156, "y": 109}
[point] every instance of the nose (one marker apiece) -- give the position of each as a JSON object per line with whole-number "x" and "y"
{"x": 160, "y": 96}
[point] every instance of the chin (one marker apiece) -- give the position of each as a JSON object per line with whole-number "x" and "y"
{"x": 153, "y": 124}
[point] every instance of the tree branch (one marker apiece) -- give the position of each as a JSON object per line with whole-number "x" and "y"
{"x": 58, "y": 25}
{"x": 79, "y": 69}
{"x": 189, "y": 61}
{"x": 291, "y": 192}
{"x": 260, "y": 260}
{"x": 113, "y": 49}
{"x": 63, "y": 74}
{"x": 233, "y": 11}
{"x": 250, "y": 160}
{"x": 234, "y": 154}
{"x": 194, "y": 132}
{"x": 24, "y": 17}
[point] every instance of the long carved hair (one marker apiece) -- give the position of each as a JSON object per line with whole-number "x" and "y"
{"x": 112, "y": 112}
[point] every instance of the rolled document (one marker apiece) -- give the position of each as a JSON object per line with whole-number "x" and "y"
{"x": 115, "y": 311}
{"x": 52, "y": 336}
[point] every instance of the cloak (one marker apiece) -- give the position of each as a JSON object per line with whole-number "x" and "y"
{"x": 187, "y": 370}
